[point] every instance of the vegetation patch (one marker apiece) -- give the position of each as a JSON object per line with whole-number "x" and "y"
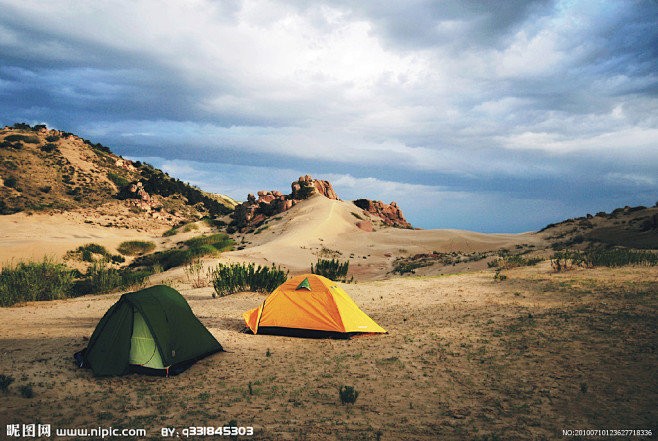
{"x": 157, "y": 182}
{"x": 332, "y": 269}
{"x": 23, "y": 138}
{"x": 135, "y": 247}
{"x": 194, "y": 248}
{"x": 508, "y": 261}
{"x": 119, "y": 181}
{"x": 229, "y": 279}
{"x": 87, "y": 253}
{"x": 30, "y": 281}
{"x": 101, "y": 278}
{"x": 563, "y": 260}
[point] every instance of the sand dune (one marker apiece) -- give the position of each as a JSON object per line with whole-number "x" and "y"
{"x": 302, "y": 233}
{"x": 318, "y": 227}
{"x": 24, "y": 236}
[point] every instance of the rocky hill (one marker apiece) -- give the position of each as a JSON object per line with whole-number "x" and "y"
{"x": 632, "y": 227}
{"x": 254, "y": 211}
{"x": 51, "y": 170}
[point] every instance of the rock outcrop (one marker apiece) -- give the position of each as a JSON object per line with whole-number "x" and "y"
{"x": 389, "y": 213}
{"x": 265, "y": 204}
{"x": 270, "y": 203}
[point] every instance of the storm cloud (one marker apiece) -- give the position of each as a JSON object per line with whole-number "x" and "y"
{"x": 470, "y": 116}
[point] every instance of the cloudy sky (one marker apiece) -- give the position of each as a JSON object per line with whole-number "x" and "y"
{"x": 489, "y": 116}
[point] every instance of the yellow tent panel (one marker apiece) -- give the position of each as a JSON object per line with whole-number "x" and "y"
{"x": 309, "y": 305}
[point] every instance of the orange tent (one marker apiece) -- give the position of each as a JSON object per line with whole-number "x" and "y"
{"x": 312, "y": 306}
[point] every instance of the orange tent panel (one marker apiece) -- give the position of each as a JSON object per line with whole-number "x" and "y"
{"x": 325, "y": 307}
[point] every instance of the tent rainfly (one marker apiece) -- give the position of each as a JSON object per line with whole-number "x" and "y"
{"x": 152, "y": 331}
{"x": 310, "y": 306}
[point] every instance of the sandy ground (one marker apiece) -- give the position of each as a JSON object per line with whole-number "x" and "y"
{"x": 465, "y": 358}
{"x": 327, "y": 228}
{"x": 31, "y": 237}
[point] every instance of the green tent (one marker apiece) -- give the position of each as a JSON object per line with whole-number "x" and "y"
{"x": 152, "y": 331}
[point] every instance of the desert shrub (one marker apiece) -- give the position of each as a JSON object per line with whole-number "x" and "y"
{"x": 45, "y": 189}
{"x": 10, "y": 145}
{"x": 563, "y": 260}
{"x": 5, "y": 382}
{"x": 52, "y": 138}
{"x": 348, "y": 394}
{"x": 196, "y": 247}
{"x": 189, "y": 227}
{"x": 170, "y": 232}
{"x": 331, "y": 269}
{"x": 22, "y": 138}
{"x": 86, "y": 252}
{"x": 194, "y": 271}
{"x": 229, "y": 279}
{"x": 48, "y": 147}
{"x": 156, "y": 182}
{"x": 4, "y": 209}
{"x": 507, "y": 261}
{"x": 11, "y": 182}
{"x": 119, "y": 181}
{"x": 214, "y": 222}
{"x": 499, "y": 277}
{"x": 620, "y": 257}
{"x": 134, "y": 247}
{"x": 30, "y": 281}
{"x": 26, "y": 391}
{"x": 101, "y": 278}
{"x": 261, "y": 229}
{"x": 403, "y": 266}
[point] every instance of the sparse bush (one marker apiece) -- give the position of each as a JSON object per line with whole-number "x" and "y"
{"x": 348, "y": 394}
{"x": 135, "y": 247}
{"x": 52, "y": 138}
{"x": 26, "y": 391}
{"x": 156, "y": 182}
{"x": 194, "y": 271}
{"x": 306, "y": 190}
{"x": 170, "y": 232}
{"x": 86, "y": 252}
{"x": 11, "y": 182}
{"x": 562, "y": 260}
{"x": 31, "y": 281}
{"x": 499, "y": 277}
{"x": 5, "y": 382}
{"x": 507, "y": 261}
{"x": 261, "y": 229}
{"x": 229, "y": 279}
{"x": 119, "y": 181}
{"x": 101, "y": 278}
{"x": 403, "y": 266}
{"x": 22, "y": 138}
{"x": 48, "y": 147}
{"x": 196, "y": 247}
{"x": 331, "y": 269}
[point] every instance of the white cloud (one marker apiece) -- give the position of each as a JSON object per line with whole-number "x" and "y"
{"x": 453, "y": 90}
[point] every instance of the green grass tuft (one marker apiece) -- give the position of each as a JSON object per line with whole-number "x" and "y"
{"x": 229, "y": 279}
{"x": 135, "y": 247}
{"x": 31, "y": 281}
